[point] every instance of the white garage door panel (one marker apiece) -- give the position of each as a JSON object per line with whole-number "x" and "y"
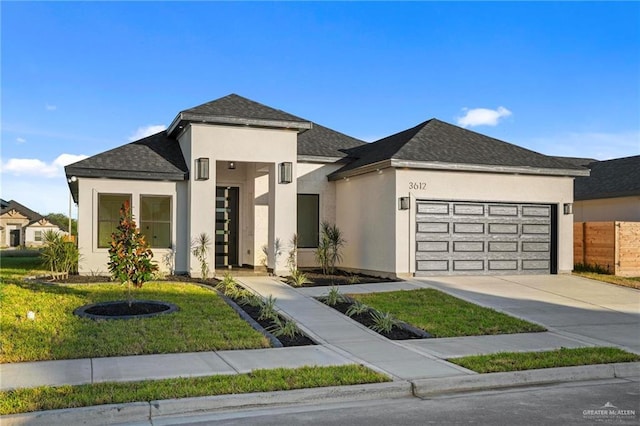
{"x": 457, "y": 238}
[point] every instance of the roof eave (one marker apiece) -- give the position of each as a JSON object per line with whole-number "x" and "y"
{"x": 320, "y": 159}
{"x": 525, "y": 170}
{"x": 483, "y": 168}
{"x": 299, "y": 126}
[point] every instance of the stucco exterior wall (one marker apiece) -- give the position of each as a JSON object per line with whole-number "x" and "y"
{"x": 366, "y": 214}
{"x": 607, "y": 209}
{"x": 312, "y": 179}
{"x": 94, "y": 260}
{"x": 466, "y": 186}
{"x": 264, "y": 149}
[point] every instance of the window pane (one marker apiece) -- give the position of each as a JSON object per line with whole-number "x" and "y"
{"x": 109, "y": 206}
{"x": 308, "y": 220}
{"x": 155, "y": 220}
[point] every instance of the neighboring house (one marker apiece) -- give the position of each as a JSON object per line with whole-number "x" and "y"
{"x": 435, "y": 199}
{"x": 610, "y": 193}
{"x": 21, "y": 226}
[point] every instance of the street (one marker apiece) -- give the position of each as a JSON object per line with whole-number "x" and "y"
{"x": 615, "y": 401}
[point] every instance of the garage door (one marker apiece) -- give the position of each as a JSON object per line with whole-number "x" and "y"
{"x": 474, "y": 238}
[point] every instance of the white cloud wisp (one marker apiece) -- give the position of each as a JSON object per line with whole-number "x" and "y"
{"x": 482, "y": 116}
{"x": 145, "y": 131}
{"x": 38, "y": 168}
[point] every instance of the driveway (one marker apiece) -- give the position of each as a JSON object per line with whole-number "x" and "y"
{"x": 591, "y": 310}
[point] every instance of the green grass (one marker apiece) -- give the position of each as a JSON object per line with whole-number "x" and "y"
{"x": 517, "y": 361}
{"x": 442, "y": 315}
{"x": 632, "y": 282}
{"x": 49, "y": 398}
{"x": 203, "y": 323}
{"x": 15, "y": 267}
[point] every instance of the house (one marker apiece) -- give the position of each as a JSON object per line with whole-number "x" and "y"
{"x": 21, "y": 226}
{"x": 435, "y": 199}
{"x": 610, "y": 193}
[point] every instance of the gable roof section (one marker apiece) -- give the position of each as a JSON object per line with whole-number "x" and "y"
{"x": 156, "y": 157}
{"x": 619, "y": 177}
{"x": 236, "y": 110}
{"x": 577, "y": 161}
{"x": 435, "y": 144}
{"x": 25, "y": 211}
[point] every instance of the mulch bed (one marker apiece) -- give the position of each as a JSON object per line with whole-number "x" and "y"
{"x": 299, "y": 340}
{"x": 318, "y": 279}
{"x": 397, "y": 333}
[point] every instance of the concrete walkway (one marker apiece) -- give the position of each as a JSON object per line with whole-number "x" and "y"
{"x": 340, "y": 333}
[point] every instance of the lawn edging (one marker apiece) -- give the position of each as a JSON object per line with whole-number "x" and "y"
{"x": 148, "y": 411}
{"x": 492, "y": 381}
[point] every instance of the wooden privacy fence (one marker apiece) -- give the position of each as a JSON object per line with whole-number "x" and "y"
{"x": 614, "y": 246}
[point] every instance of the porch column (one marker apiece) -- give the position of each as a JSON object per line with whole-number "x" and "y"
{"x": 282, "y": 218}
{"x": 202, "y": 216}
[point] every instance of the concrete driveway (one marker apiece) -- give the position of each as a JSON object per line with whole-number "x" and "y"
{"x": 578, "y": 307}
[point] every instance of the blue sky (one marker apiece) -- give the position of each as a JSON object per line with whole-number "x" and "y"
{"x": 80, "y": 78}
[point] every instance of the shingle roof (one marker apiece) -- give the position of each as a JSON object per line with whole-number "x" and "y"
{"x": 156, "y": 157}
{"x": 323, "y": 142}
{"x": 577, "y": 161}
{"x": 239, "y": 107}
{"x": 25, "y": 211}
{"x": 236, "y": 110}
{"x": 435, "y": 141}
{"x": 619, "y": 177}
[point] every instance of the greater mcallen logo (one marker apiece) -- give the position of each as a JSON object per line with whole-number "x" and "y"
{"x": 609, "y": 412}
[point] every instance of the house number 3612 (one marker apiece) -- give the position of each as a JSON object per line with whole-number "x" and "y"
{"x": 418, "y": 186}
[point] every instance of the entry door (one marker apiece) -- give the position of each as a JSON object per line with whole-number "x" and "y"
{"x": 14, "y": 237}
{"x": 226, "y": 226}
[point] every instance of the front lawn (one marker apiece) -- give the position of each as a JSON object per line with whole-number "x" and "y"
{"x": 442, "y": 315}
{"x": 203, "y": 323}
{"x": 50, "y": 398}
{"x": 517, "y": 361}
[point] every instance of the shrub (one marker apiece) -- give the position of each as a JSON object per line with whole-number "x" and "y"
{"x": 129, "y": 254}
{"x": 329, "y": 251}
{"x": 383, "y": 322}
{"x": 334, "y": 297}
{"x": 357, "y": 308}
{"x": 298, "y": 278}
{"x": 595, "y": 268}
{"x": 268, "y": 309}
{"x": 200, "y": 249}
{"x": 280, "y": 328}
{"x": 60, "y": 257}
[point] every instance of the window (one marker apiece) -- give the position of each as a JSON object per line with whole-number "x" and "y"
{"x": 308, "y": 220}
{"x": 109, "y": 206}
{"x": 155, "y": 220}
{"x": 37, "y": 236}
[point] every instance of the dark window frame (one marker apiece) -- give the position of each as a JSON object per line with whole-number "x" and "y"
{"x": 99, "y": 220}
{"x": 149, "y": 239}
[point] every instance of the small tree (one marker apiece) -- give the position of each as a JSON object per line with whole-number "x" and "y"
{"x": 129, "y": 254}
{"x": 329, "y": 251}
{"x": 200, "y": 249}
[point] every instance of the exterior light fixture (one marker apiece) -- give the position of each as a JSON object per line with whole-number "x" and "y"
{"x": 202, "y": 169}
{"x": 285, "y": 172}
{"x": 232, "y": 165}
{"x": 403, "y": 203}
{"x": 568, "y": 208}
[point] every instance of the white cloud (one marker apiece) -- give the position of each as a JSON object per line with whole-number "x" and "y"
{"x": 21, "y": 140}
{"x": 145, "y": 131}
{"x": 598, "y": 145}
{"x": 482, "y": 116}
{"x": 39, "y": 168}
{"x": 50, "y": 107}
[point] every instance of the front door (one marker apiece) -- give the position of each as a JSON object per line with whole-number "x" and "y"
{"x": 227, "y": 226}
{"x": 14, "y": 237}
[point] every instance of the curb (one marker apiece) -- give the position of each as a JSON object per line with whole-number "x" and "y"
{"x": 145, "y": 412}
{"x": 492, "y": 381}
